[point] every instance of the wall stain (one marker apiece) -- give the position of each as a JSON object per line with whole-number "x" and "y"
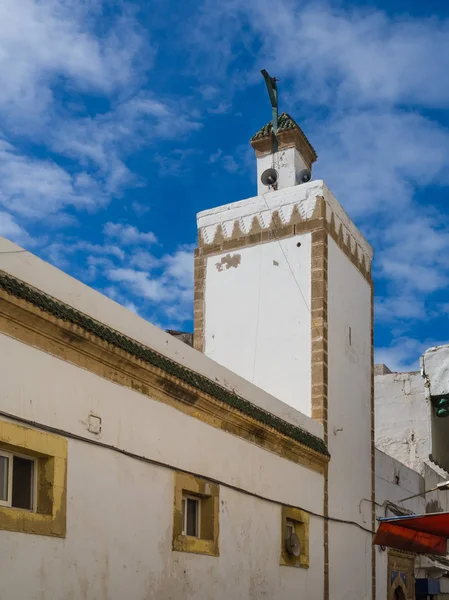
{"x": 433, "y": 506}
{"x": 229, "y": 261}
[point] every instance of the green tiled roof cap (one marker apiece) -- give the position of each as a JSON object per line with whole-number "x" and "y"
{"x": 284, "y": 122}
{"x": 66, "y": 313}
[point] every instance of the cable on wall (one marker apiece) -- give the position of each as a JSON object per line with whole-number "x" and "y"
{"x": 157, "y": 463}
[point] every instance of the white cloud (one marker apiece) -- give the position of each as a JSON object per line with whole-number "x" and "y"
{"x": 377, "y": 160}
{"x": 95, "y": 257}
{"x": 45, "y": 42}
{"x": 356, "y": 56}
{"x": 10, "y": 229}
{"x": 139, "y": 283}
{"x": 169, "y": 287}
{"x": 53, "y": 49}
{"x": 178, "y": 162}
{"x": 403, "y": 353}
{"x": 139, "y": 208}
{"x": 128, "y": 234}
{"x": 233, "y": 164}
{"x": 403, "y": 306}
{"x": 36, "y": 188}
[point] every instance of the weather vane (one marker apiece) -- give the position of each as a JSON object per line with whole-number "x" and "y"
{"x": 273, "y": 93}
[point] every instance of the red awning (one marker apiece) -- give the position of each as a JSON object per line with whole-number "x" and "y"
{"x": 423, "y": 534}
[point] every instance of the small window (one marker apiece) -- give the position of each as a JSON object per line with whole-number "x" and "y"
{"x": 195, "y": 516}
{"x": 17, "y": 477}
{"x": 191, "y": 507}
{"x": 33, "y": 483}
{"x": 294, "y": 552}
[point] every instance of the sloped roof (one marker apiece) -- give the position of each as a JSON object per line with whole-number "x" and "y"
{"x": 285, "y": 122}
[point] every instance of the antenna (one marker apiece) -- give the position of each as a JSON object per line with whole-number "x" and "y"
{"x": 273, "y": 94}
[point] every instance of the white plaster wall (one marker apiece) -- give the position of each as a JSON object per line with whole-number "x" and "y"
{"x": 288, "y": 163}
{"x": 36, "y": 272}
{"x": 402, "y": 418}
{"x": 118, "y": 542}
{"x": 435, "y": 501}
{"x": 435, "y": 371}
{"x": 257, "y": 316}
{"x": 394, "y": 482}
{"x": 439, "y": 436}
{"x": 349, "y": 419}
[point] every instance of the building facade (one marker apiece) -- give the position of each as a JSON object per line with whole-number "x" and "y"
{"x": 125, "y": 425}
{"x": 410, "y": 439}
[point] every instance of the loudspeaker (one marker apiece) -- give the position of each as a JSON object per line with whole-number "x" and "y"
{"x": 304, "y": 176}
{"x": 269, "y": 177}
{"x": 293, "y": 545}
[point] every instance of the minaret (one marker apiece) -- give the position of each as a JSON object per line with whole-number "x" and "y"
{"x": 283, "y": 297}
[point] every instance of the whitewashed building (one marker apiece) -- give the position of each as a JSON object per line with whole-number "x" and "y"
{"x": 414, "y": 437}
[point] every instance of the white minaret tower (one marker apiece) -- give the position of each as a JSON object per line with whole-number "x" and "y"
{"x": 283, "y": 297}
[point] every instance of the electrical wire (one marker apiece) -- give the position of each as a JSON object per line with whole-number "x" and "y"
{"x": 286, "y": 259}
{"x": 158, "y": 463}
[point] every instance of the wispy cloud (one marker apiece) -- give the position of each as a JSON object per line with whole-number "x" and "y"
{"x": 10, "y": 229}
{"x": 128, "y": 234}
{"x": 403, "y": 353}
{"x": 168, "y": 285}
{"x": 45, "y": 42}
{"x": 34, "y": 188}
{"x": 56, "y": 57}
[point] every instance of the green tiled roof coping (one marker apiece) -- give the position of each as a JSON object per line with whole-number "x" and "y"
{"x": 285, "y": 122}
{"x": 66, "y": 313}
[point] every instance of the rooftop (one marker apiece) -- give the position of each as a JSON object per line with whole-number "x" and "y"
{"x": 285, "y": 123}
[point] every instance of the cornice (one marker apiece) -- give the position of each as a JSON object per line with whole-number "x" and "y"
{"x": 281, "y": 214}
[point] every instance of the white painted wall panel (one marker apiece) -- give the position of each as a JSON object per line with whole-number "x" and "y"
{"x": 257, "y": 319}
{"x": 403, "y": 418}
{"x": 349, "y": 417}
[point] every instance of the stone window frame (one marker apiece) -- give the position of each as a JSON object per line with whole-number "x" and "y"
{"x": 50, "y": 453}
{"x": 301, "y": 522}
{"x": 208, "y": 494}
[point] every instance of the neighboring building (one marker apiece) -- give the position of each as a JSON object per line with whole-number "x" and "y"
{"x": 402, "y": 417}
{"x": 409, "y": 430}
{"x": 399, "y": 570}
{"x": 435, "y": 370}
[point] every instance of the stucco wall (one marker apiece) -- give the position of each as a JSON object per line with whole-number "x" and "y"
{"x": 402, "y": 418}
{"x": 257, "y": 316}
{"x": 120, "y": 510}
{"x": 394, "y": 482}
{"x": 287, "y": 162}
{"x": 349, "y": 426}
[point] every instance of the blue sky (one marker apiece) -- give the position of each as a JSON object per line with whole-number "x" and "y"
{"x": 120, "y": 121}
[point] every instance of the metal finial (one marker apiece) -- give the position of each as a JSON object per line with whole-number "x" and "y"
{"x": 273, "y": 94}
